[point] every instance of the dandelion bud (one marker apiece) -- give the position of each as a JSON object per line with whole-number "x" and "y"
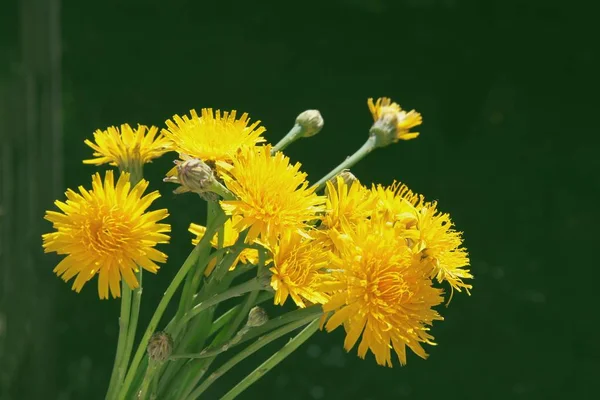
{"x": 257, "y": 317}
{"x": 384, "y": 130}
{"x": 160, "y": 346}
{"x": 347, "y": 176}
{"x": 193, "y": 175}
{"x": 311, "y": 122}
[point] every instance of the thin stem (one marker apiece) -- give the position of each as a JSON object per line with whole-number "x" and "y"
{"x": 126, "y": 327}
{"x": 275, "y": 359}
{"x": 133, "y": 321}
{"x": 224, "y": 336}
{"x": 295, "y": 133}
{"x": 116, "y": 376}
{"x": 300, "y": 314}
{"x": 162, "y": 305}
{"x": 253, "y": 348}
{"x": 236, "y": 291}
{"x": 173, "y": 380}
{"x": 348, "y": 162}
{"x": 148, "y": 377}
{"x": 188, "y": 289}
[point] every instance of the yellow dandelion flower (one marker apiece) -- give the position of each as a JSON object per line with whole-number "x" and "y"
{"x": 439, "y": 248}
{"x": 381, "y": 295}
{"x": 298, "y": 270}
{"x": 106, "y": 232}
{"x": 396, "y": 204}
{"x": 346, "y": 204}
{"x": 212, "y": 136}
{"x": 404, "y": 121}
{"x": 272, "y": 195}
{"x": 230, "y": 237}
{"x": 127, "y": 148}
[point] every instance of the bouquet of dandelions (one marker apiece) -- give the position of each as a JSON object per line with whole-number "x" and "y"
{"x": 367, "y": 259}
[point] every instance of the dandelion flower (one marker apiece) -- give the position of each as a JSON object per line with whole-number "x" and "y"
{"x": 272, "y": 195}
{"x": 381, "y": 295}
{"x": 346, "y": 204}
{"x": 127, "y": 148}
{"x": 298, "y": 270}
{"x": 106, "y": 232}
{"x": 230, "y": 237}
{"x": 439, "y": 247}
{"x": 403, "y": 120}
{"x": 396, "y": 204}
{"x": 212, "y": 136}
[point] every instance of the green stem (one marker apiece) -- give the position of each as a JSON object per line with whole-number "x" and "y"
{"x": 275, "y": 359}
{"x": 300, "y": 314}
{"x": 349, "y": 162}
{"x": 295, "y": 133}
{"x": 164, "y": 302}
{"x": 148, "y": 377}
{"x": 133, "y": 321}
{"x": 169, "y": 383}
{"x": 236, "y": 291}
{"x": 188, "y": 289}
{"x": 116, "y": 377}
{"x": 254, "y": 347}
{"x": 128, "y": 318}
{"x": 224, "y": 336}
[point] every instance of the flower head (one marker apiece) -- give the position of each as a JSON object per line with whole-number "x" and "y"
{"x": 106, "y": 232}
{"x": 299, "y": 270}
{"x": 192, "y": 175}
{"x": 212, "y": 136}
{"x": 439, "y": 247}
{"x": 272, "y": 195}
{"x": 346, "y": 203}
{"x": 396, "y": 204}
{"x": 230, "y": 237}
{"x": 391, "y": 113}
{"x": 381, "y": 294}
{"x": 127, "y": 148}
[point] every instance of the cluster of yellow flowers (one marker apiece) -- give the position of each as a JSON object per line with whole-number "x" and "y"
{"x": 373, "y": 257}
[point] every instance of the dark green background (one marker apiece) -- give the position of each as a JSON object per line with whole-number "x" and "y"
{"x": 509, "y": 146}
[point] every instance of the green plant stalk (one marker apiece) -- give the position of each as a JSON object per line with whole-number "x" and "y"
{"x": 116, "y": 378}
{"x": 189, "y": 341}
{"x": 168, "y": 383}
{"x": 300, "y": 314}
{"x": 129, "y": 314}
{"x": 257, "y": 345}
{"x": 275, "y": 359}
{"x": 162, "y": 305}
{"x": 178, "y": 329}
{"x": 133, "y": 321}
{"x": 186, "y": 295}
{"x": 236, "y": 291}
{"x": 294, "y": 134}
{"x": 225, "y": 336}
{"x": 349, "y": 162}
{"x": 148, "y": 377}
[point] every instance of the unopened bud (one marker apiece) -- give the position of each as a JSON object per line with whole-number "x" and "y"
{"x": 193, "y": 175}
{"x": 257, "y": 317}
{"x": 347, "y": 176}
{"x": 160, "y": 346}
{"x": 311, "y": 122}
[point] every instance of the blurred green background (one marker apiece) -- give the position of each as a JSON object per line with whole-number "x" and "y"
{"x": 509, "y": 146}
